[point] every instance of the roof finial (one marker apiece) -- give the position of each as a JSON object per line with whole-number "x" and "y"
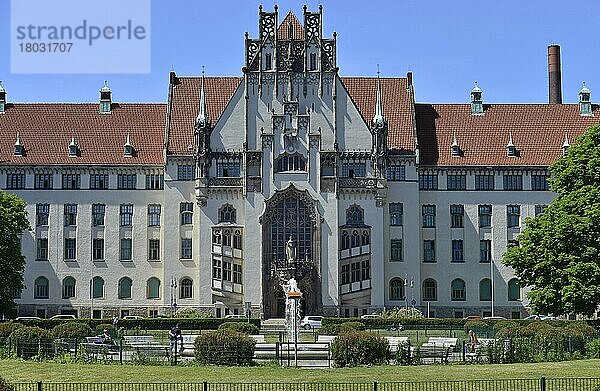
{"x": 566, "y": 142}
{"x": 202, "y": 115}
{"x": 18, "y": 142}
{"x": 454, "y": 142}
{"x": 379, "y": 118}
{"x": 105, "y": 88}
{"x": 128, "y": 141}
{"x": 510, "y": 141}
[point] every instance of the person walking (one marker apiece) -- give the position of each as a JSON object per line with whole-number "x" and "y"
{"x": 174, "y": 336}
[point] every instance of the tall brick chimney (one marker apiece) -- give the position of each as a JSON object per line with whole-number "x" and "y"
{"x": 554, "y": 77}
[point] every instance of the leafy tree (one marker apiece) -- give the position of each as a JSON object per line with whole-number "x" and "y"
{"x": 13, "y": 221}
{"x": 558, "y": 255}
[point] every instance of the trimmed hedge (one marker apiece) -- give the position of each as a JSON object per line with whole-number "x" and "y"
{"x": 359, "y": 348}
{"x": 240, "y": 327}
{"x": 6, "y": 328}
{"x": 144, "y": 324}
{"x": 374, "y": 323}
{"x": 72, "y": 330}
{"x": 337, "y": 329}
{"x": 224, "y": 347}
{"x": 32, "y": 341}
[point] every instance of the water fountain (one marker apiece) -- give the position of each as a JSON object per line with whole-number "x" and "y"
{"x": 292, "y": 314}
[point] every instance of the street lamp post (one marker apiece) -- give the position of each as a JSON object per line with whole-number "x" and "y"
{"x": 173, "y": 294}
{"x": 492, "y": 284}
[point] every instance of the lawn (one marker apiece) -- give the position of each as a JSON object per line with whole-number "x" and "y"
{"x": 27, "y": 371}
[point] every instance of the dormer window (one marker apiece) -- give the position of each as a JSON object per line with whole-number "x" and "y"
{"x": 19, "y": 147}
{"x": 585, "y": 102}
{"x": 511, "y": 150}
{"x": 105, "y": 99}
{"x": 128, "y": 148}
{"x": 73, "y": 148}
{"x": 476, "y": 100}
{"x": 455, "y": 148}
{"x": 565, "y": 146}
{"x": 2, "y": 98}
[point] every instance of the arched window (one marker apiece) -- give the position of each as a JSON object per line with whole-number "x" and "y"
{"x": 355, "y": 239}
{"x": 345, "y": 240}
{"x": 287, "y": 162}
{"x": 227, "y": 214}
{"x": 98, "y": 287}
{"x": 41, "y": 288}
{"x": 396, "y": 289}
{"x": 237, "y": 239}
{"x": 227, "y": 237}
{"x": 68, "y": 288}
{"x": 366, "y": 237}
{"x": 458, "y": 290}
{"x": 485, "y": 289}
{"x": 429, "y": 290}
{"x": 153, "y": 288}
{"x": 125, "y": 288}
{"x": 185, "y": 288}
{"x": 355, "y": 215}
{"x": 514, "y": 290}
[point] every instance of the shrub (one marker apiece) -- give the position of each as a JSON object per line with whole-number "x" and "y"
{"x": 348, "y": 327}
{"x": 359, "y": 348}
{"x": 403, "y": 313}
{"x": 6, "y": 328}
{"x": 593, "y": 348}
{"x": 476, "y": 325}
{"x": 30, "y": 341}
{"x": 510, "y": 330}
{"x": 580, "y": 329}
{"x": 240, "y": 327}
{"x": 5, "y": 386}
{"x": 224, "y": 347}
{"x": 329, "y": 329}
{"x": 71, "y": 330}
{"x": 30, "y": 333}
{"x": 539, "y": 329}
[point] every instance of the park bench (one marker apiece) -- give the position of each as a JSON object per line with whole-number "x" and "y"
{"x": 433, "y": 352}
{"x": 394, "y": 342}
{"x": 145, "y": 345}
{"x": 259, "y": 338}
{"x": 187, "y": 341}
{"x": 326, "y": 338}
{"x": 99, "y": 345}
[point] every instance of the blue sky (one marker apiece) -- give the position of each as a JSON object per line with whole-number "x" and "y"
{"x": 446, "y": 44}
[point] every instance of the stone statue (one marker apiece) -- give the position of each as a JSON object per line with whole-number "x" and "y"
{"x": 290, "y": 251}
{"x": 291, "y": 286}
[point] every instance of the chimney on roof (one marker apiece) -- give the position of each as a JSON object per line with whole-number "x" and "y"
{"x": 554, "y": 76}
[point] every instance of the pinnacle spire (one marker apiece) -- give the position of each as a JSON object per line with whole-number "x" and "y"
{"x": 510, "y": 141}
{"x": 202, "y": 118}
{"x": 566, "y": 142}
{"x": 379, "y": 118}
{"x": 454, "y": 142}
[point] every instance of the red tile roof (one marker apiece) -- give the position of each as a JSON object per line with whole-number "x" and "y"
{"x": 397, "y": 108}
{"x": 297, "y": 29}
{"x": 538, "y": 132}
{"x": 186, "y": 103}
{"x": 45, "y": 129}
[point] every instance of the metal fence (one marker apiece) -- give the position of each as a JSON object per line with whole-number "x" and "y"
{"x": 541, "y": 384}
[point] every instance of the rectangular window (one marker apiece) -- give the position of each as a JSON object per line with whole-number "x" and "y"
{"x": 237, "y": 274}
{"x": 396, "y": 250}
{"x": 126, "y": 249}
{"x": 485, "y": 216}
{"x": 98, "y": 214}
{"x": 457, "y": 213}
{"x": 484, "y": 182}
{"x": 70, "y": 214}
{"x": 457, "y": 182}
{"x": 43, "y": 181}
{"x": 42, "y": 212}
{"x": 457, "y": 251}
{"x": 428, "y": 181}
{"x": 126, "y": 181}
{"x": 228, "y": 169}
{"x": 313, "y": 62}
{"x": 268, "y": 62}
{"x": 71, "y": 181}
{"x": 353, "y": 169}
{"x": 365, "y": 270}
{"x": 513, "y": 182}
{"x": 126, "y": 212}
{"x": 428, "y": 216}
{"x": 42, "y": 249}
{"x": 186, "y": 248}
{"x": 153, "y": 215}
{"x": 154, "y": 249}
{"x": 154, "y": 182}
{"x": 428, "y": 251}
{"x": 226, "y": 271}
{"x": 216, "y": 272}
{"x": 98, "y": 249}
{"x": 185, "y": 172}
{"x": 396, "y": 213}
{"x": 396, "y": 172}
{"x": 513, "y": 216}
{"x": 345, "y": 275}
{"x": 539, "y": 209}
{"x": 70, "y": 248}
{"x": 15, "y": 181}
{"x": 99, "y": 181}
{"x": 485, "y": 251}
{"x": 187, "y": 212}
{"x": 539, "y": 182}
{"x": 355, "y": 272}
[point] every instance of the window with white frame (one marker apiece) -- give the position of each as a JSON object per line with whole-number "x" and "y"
{"x": 126, "y": 214}
{"x": 126, "y": 181}
{"x": 485, "y": 251}
{"x": 457, "y": 213}
{"x": 396, "y": 250}
{"x": 42, "y": 249}
{"x": 186, "y": 288}
{"x": 484, "y": 182}
{"x": 41, "y": 288}
{"x": 97, "y": 249}
{"x": 457, "y": 251}
{"x": 186, "y": 209}
{"x": 353, "y": 168}
{"x": 70, "y": 249}
{"x": 539, "y": 182}
{"x": 428, "y": 251}
{"x": 428, "y": 181}
{"x": 513, "y": 182}
{"x": 228, "y": 168}
{"x": 126, "y": 249}
{"x": 458, "y": 290}
{"x": 237, "y": 273}
{"x": 154, "y": 249}
{"x": 68, "y": 288}
{"x": 154, "y": 181}
{"x": 485, "y": 216}
{"x": 396, "y": 172}
{"x": 185, "y": 172}
{"x": 429, "y": 290}
{"x": 153, "y": 215}
{"x": 98, "y": 212}
{"x": 42, "y": 212}
{"x": 99, "y": 181}
{"x": 15, "y": 181}
{"x": 43, "y": 181}
{"x": 227, "y": 214}
{"x": 456, "y": 182}
{"x": 397, "y": 289}
{"x": 186, "y": 248}
{"x": 290, "y": 162}
{"x": 71, "y": 181}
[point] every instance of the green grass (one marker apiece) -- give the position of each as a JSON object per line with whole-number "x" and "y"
{"x": 27, "y": 371}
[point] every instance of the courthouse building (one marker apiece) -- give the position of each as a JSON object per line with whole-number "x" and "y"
{"x": 211, "y": 200}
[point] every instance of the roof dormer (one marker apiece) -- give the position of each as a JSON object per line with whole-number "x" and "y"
{"x": 105, "y": 99}
{"x": 19, "y": 147}
{"x": 128, "y": 148}
{"x": 565, "y": 146}
{"x": 476, "y": 100}
{"x": 511, "y": 150}
{"x": 455, "y": 148}
{"x": 585, "y": 101}
{"x": 2, "y": 98}
{"x": 73, "y": 148}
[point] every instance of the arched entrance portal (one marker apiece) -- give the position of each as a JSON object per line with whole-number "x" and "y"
{"x": 291, "y": 214}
